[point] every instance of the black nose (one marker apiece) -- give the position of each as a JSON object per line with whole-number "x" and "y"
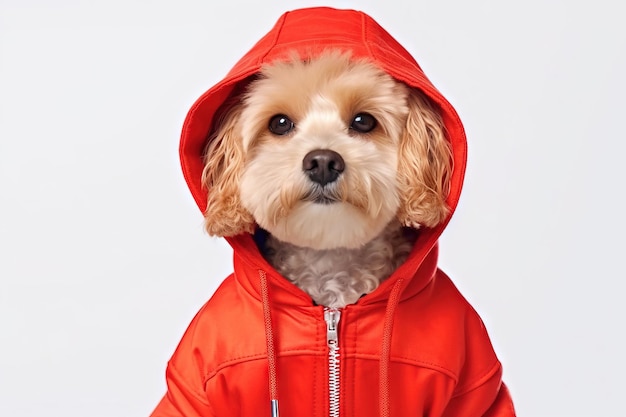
{"x": 323, "y": 165}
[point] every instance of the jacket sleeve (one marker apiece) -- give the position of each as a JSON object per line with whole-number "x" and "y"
{"x": 480, "y": 391}
{"x": 490, "y": 399}
{"x": 185, "y": 396}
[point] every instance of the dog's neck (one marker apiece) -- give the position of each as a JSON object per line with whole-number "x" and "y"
{"x": 338, "y": 277}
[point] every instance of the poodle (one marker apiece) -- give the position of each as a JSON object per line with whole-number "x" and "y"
{"x": 336, "y": 164}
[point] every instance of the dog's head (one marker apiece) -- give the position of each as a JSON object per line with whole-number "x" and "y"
{"x": 324, "y": 153}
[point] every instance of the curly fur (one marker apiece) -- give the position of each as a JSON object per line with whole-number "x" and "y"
{"x": 224, "y": 158}
{"x": 424, "y": 167}
{"x": 395, "y": 175}
{"x": 337, "y": 277}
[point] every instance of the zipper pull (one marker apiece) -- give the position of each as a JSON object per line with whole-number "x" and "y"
{"x": 332, "y": 316}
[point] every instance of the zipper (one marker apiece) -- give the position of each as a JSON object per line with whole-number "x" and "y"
{"x": 332, "y": 316}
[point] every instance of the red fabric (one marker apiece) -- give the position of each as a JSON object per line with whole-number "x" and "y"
{"x": 439, "y": 360}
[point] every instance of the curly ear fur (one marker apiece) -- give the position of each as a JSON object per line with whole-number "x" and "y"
{"x": 223, "y": 164}
{"x": 424, "y": 165}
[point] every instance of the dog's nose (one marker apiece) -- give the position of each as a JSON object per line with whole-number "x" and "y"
{"x": 323, "y": 165}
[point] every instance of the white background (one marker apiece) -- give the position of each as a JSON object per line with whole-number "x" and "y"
{"x": 103, "y": 261}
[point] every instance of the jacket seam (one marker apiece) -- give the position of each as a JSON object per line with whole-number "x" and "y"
{"x": 364, "y": 37}
{"x": 483, "y": 378}
{"x": 409, "y": 361}
{"x": 320, "y": 39}
{"x": 257, "y": 356}
{"x": 199, "y": 396}
{"x": 275, "y": 40}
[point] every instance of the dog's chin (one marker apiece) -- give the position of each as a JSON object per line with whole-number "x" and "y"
{"x": 328, "y": 224}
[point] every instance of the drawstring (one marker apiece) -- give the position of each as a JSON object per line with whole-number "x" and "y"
{"x": 271, "y": 352}
{"x": 385, "y": 351}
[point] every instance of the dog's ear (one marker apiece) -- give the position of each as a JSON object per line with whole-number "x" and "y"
{"x": 424, "y": 165}
{"x": 223, "y": 165}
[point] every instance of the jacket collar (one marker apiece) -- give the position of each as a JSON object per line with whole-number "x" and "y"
{"x": 416, "y": 273}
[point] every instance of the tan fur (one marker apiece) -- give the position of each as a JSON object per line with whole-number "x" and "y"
{"x": 224, "y": 161}
{"x": 424, "y": 166}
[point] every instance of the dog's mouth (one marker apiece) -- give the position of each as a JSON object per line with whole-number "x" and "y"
{"x": 324, "y": 200}
{"x": 322, "y": 195}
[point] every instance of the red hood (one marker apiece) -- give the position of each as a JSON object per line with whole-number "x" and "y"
{"x": 310, "y": 31}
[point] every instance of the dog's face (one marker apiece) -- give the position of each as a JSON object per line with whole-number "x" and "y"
{"x": 324, "y": 154}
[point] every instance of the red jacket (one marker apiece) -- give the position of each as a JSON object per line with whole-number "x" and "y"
{"x": 413, "y": 347}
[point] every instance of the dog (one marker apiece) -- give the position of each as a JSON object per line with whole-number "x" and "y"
{"x": 331, "y": 165}
{"x": 338, "y": 162}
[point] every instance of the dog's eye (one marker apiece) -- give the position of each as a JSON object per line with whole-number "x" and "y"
{"x": 280, "y": 124}
{"x": 363, "y": 123}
